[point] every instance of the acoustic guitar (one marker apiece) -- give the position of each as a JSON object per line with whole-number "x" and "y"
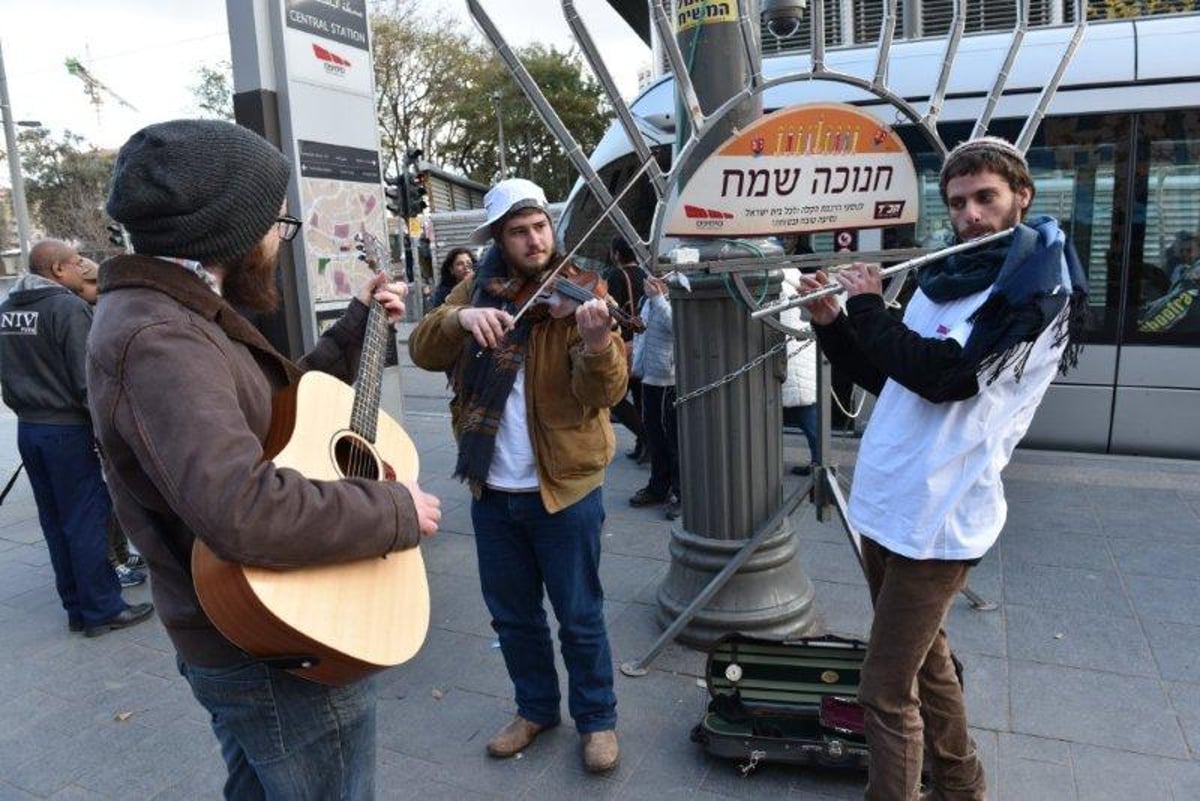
{"x": 332, "y": 624}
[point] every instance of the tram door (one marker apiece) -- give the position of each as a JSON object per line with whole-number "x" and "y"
{"x": 1156, "y": 407}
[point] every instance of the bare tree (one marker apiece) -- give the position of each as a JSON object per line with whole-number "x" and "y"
{"x": 67, "y": 184}
{"x": 473, "y": 147}
{"x": 213, "y": 91}
{"x": 420, "y": 61}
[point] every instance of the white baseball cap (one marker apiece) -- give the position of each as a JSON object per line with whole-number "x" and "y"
{"x": 511, "y": 194}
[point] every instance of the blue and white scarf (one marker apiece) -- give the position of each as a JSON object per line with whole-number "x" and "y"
{"x": 1034, "y": 276}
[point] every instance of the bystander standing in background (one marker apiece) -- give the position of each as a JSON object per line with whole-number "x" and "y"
{"x": 458, "y": 266}
{"x": 624, "y": 281}
{"x": 44, "y": 327}
{"x": 654, "y": 362}
{"x": 128, "y": 563}
{"x": 800, "y": 386}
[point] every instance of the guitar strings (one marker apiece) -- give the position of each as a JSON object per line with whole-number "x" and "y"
{"x": 360, "y": 461}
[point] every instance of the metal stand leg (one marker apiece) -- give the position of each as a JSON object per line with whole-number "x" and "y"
{"x": 13, "y": 480}
{"x": 639, "y": 667}
{"x": 828, "y": 477}
{"x": 978, "y": 602}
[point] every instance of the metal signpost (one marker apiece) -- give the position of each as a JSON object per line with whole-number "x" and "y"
{"x": 730, "y": 448}
{"x": 303, "y": 78}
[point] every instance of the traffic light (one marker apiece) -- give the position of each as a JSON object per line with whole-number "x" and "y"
{"x": 397, "y": 195}
{"x": 416, "y": 193}
{"x": 406, "y": 194}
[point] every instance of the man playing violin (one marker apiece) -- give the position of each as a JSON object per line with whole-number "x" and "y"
{"x": 531, "y": 419}
{"x": 958, "y": 383}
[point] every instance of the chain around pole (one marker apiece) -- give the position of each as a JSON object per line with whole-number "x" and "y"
{"x": 738, "y": 373}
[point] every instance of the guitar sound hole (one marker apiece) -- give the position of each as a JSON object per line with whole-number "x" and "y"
{"x": 355, "y": 459}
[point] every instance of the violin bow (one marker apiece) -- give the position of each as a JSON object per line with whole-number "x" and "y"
{"x": 601, "y": 218}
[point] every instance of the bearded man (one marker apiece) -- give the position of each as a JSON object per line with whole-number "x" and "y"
{"x": 958, "y": 383}
{"x": 531, "y": 417}
{"x": 181, "y": 387}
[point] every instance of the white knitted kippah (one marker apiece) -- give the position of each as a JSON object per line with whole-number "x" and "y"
{"x": 983, "y": 144}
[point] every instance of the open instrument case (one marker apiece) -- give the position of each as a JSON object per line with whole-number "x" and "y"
{"x": 792, "y": 702}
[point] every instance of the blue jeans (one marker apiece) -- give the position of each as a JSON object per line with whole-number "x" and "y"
{"x": 286, "y": 738}
{"x": 805, "y": 419}
{"x": 523, "y": 548}
{"x": 73, "y": 509}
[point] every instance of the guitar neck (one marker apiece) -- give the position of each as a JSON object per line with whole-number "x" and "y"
{"x": 368, "y": 386}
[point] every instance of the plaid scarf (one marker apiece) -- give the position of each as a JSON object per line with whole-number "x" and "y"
{"x": 483, "y": 378}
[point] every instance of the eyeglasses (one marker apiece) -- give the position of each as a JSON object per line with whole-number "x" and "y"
{"x": 287, "y": 227}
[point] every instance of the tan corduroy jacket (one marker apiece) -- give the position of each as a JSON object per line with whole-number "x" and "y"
{"x": 568, "y": 392}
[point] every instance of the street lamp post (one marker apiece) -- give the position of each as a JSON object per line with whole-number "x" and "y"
{"x": 20, "y": 209}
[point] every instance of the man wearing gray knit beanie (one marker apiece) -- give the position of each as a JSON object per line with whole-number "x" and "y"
{"x": 958, "y": 381}
{"x": 181, "y": 388}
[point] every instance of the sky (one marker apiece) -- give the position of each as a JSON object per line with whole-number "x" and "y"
{"x": 148, "y": 52}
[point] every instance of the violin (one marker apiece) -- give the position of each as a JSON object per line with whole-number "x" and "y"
{"x": 564, "y": 289}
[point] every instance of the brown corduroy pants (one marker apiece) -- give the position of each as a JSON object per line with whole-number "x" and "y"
{"x": 912, "y": 697}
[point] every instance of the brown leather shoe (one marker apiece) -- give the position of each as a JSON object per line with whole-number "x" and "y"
{"x": 514, "y": 737}
{"x": 600, "y": 751}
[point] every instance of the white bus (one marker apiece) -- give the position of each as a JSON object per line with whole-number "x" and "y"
{"x": 1116, "y": 160}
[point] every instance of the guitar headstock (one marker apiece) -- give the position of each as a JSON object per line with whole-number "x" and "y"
{"x": 369, "y": 250}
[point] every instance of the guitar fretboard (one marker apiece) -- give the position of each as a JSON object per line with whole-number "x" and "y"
{"x": 367, "y": 387}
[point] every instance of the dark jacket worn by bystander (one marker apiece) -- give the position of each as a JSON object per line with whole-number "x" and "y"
{"x": 49, "y": 324}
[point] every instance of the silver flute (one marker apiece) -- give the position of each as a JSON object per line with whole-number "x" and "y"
{"x": 835, "y": 288}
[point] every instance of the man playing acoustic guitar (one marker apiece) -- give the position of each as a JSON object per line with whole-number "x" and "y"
{"x": 531, "y": 418}
{"x": 181, "y": 387}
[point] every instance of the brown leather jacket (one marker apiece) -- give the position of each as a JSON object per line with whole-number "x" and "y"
{"x": 180, "y": 387}
{"x": 568, "y": 392}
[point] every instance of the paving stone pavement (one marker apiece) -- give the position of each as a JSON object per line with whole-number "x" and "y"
{"x": 1085, "y": 684}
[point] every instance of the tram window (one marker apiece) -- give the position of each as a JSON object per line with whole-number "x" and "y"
{"x": 1164, "y": 291}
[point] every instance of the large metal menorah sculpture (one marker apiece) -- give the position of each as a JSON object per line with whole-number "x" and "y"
{"x": 741, "y": 573}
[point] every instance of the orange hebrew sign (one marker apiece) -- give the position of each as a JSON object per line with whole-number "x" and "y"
{"x": 806, "y": 168}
